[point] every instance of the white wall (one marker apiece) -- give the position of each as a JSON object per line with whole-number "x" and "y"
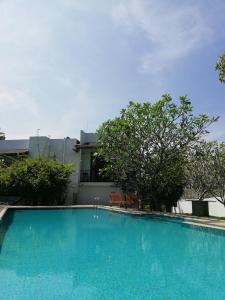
{"x": 183, "y": 207}
{"x": 216, "y": 209}
{"x": 87, "y": 137}
{"x": 95, "y": 192}
{"x": 62, "y": 150}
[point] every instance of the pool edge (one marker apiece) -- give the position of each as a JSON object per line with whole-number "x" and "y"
{"x": 194, "y": 221}
{"x": 3, "y": 211}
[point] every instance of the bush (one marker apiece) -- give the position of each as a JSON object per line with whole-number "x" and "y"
{"x": 37, "y": 181}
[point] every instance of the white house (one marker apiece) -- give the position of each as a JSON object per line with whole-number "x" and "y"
{"x": 86, "y": 186}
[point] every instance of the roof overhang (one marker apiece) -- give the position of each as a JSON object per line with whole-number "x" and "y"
{"x": 13, "y": 151}
{"x": 78, "y": 147}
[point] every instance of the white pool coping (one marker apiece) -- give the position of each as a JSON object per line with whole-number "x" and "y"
{"x": 194, "y": 221}
{"x": 3, "y": 211}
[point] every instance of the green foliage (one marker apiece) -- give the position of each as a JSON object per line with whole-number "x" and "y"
{"x": 220, "y": 67}
{"x": 207, "y": 170}
{"x": 2, "y": 136}
{"x": 145, "y": 148}
{"x": 38, "y": 181}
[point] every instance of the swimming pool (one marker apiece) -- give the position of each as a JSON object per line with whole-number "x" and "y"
{"x": 85, "y": 254}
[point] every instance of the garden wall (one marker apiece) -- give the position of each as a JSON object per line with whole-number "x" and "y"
{"x": 216, "y": 209}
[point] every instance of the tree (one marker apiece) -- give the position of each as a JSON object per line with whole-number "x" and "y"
{"x": 207, "y": 170}
{"x": 37, "y": 181}
{"x": 2, "y": 136}
{"x": 145, "y": 147}
{"x": 220, "y": 67}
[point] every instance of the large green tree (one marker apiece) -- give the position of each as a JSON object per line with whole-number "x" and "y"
{"x": 145, "y": 147}
{"x": 207, "y": 170}
{"x": 220, "y": 67}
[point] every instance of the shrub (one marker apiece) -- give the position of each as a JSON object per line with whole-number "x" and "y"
{"x": 37, "y": 181}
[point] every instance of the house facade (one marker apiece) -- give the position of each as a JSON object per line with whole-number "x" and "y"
{"x": 86, "y": 185}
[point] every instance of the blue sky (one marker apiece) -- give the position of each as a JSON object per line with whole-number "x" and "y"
{"x": 67, "y": 65}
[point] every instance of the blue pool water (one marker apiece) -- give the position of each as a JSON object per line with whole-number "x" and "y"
{"x": 85, "y": 254}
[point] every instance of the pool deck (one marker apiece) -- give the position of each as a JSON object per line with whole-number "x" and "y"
{"x": 192, "y": 220}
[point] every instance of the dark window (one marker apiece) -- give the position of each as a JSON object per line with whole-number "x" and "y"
{"x": 94, "y": 175}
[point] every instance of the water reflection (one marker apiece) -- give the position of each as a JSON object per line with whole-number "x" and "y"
{"x": 95, "y": 254}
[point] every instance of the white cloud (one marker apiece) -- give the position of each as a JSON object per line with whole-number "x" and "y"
{"x": 64, "y": 66}
{"x": 171, "y": 31}
{"x": 42, "y": 78}
{"x": 31, "y": 47}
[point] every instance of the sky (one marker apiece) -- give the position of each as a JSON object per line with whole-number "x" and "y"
{"x": 67, "y": 65}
